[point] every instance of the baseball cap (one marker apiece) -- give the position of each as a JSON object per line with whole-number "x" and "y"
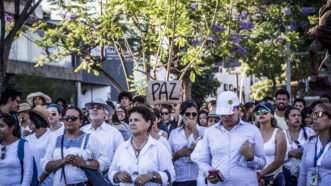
{"x": 265, "y": 105}
{"x": 226, "y": 103}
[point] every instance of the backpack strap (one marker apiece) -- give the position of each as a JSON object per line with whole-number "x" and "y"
{"x": 20, "y": 155}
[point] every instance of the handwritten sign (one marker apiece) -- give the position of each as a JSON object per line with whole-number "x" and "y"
{"x": 164, "y": 92}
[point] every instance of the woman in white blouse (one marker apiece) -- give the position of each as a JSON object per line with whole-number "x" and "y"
{"x": 141, "y": 160}
{"x": 12, "y": 172}
{"x": 68, "y": 155}
{"x": 182, "y": 141}
{"x": 296, "y": 135}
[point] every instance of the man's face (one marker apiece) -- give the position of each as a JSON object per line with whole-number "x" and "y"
{"x": 125, "y": 102}
{"x": 54, "y": 115}
{"x": 14, "y": 104}
{"x": 231, "y": 120}
{"x": 281, "y": 102}
{"x": 97, "y": 113}
{"x": 299, "y": 105}
{"x": 165, "y": 114}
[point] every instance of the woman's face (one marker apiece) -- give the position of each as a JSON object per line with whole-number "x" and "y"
{"x": 120, "y": 114}
{"x": 203, "y": 119}
{"x": 5, "y": 130}
{"x": 190, "y": 116}
{"x": 294, "y": 118}
{"x": 138, "y": 124}
{"x": 71, "y": 120}
{"x": 263, "y": 116}
{"x": 308, "y": 120}
{"x": 38, "y": 101}
{"x": 321, "y": 121}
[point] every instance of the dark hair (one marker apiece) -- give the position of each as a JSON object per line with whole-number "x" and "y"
{"x": 81, "y": 116}
{"x": 287, "y": 115}
{"x": 63, "y": 101}
{"x": 187, "y": 104}
{"x": 327, "y": 97}
{"x": 139, "y": 99}
{"x": 115, "y": 118}
{"x": 111, "y": 104}
{"x": 145, "y": 112}
{"x": 124, "y": 94}
{"x": 10, "y": 121}
{"x": 166, "y": 106}
{"x": 38, "y": 121}
{"x": 157, "y": 113}
{"x": 59, "y": 108}
{"x": 9, "y": 95}
{"x": 267, "y": 98}
{"x": 282, "y": 92}
{"x": 42, "y": 98}
{"x": 299, "y": 100}
{"x": 306, "y": 111}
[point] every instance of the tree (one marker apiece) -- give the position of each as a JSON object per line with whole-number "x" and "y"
{"x": 13, "y": 15}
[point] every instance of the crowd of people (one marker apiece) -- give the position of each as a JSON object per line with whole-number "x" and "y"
{"x": 269, "y": 142}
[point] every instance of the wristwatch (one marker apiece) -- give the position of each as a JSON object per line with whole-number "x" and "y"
{"x": 87, "y": 163}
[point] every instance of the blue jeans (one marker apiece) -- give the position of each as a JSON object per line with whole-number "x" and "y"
{"x": 185, "y": 183}
{"x": 289, "y": 179}
{"x": 278, "y": 181}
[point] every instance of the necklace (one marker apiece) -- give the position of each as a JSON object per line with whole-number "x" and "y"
{"x": 136, "y": 148}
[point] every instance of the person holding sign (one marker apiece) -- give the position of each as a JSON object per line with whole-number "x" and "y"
{"x": 230, "y": 151}
{"x": 315, "y": 167}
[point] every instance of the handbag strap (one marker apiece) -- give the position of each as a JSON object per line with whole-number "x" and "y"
{"x": 63, "y": 175}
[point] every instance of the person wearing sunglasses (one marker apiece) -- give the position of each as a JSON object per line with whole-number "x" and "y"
{"x": 315, "y": 166}
{"x": 182, "y": 141}
{"x": 274, "y": 145}
{"x": 230, "y": 151}
{"x": 11, "y": 172}
{"x": 141, "y": 160}
{"x": 56, "y": 126}
{"x": 296, "y": 136}
{"x": 70, "y": 154}
{"x": 167, "y": 124}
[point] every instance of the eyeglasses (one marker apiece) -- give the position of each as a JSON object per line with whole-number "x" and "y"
{"x": 319, "y": 114}
{"x": 72, "y": 118}
{"x": 261, "y": 112}
{"x": 53, "y": 114}
{"x": 3, "y": 152}
{"x": 164, "y": 113}
{"x": 193, "y": 114}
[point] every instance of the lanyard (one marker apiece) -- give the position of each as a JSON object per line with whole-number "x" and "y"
{"x": 318, "y": 156}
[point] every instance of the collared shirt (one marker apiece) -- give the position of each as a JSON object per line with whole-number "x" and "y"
{"x": 186, "y": 169}
{"x": 110, "y": 138}
{"x": 83, "y": 146}
{"x": 154, "y": 157}
{"x": 220, "y": 149}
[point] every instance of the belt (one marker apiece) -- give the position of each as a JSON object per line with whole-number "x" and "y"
{"x": 78, "y": 184}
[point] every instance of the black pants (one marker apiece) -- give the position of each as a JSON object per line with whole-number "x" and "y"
{"x": 289, "y": 179}
{"x": 185, "y": 183}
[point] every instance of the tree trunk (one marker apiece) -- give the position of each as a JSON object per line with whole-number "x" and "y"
{"x": 4, "y": 52}
{"x": 187, "y": 87}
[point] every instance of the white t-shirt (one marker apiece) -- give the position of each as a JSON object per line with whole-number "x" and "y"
{"x": 10, "y": 166}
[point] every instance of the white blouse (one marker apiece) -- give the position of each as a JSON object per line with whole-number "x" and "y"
{"x": 10, "y": 167}
{"x": 154, "y": 157}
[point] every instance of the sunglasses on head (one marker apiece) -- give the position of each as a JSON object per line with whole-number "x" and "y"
{"x": 164, "y": 113}
{"x": 319, "y": 114}
{"x": 262, "y": 112}
{"x": 3, "y": 152}
{"x": 70, "y": 118}
{"x": 193, "y": 114}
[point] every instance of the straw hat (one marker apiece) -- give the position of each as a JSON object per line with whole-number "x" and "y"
{"x": 30, "y": 97}
{"x": 24, "y": 107}
{"x": 40, "y": 111}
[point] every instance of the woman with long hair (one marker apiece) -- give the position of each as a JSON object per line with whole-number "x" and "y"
{"x": 315, "y": 165}
{"x": 141, "y": 160}
{"x": 13, "y": 170}
{"x": 120, "y": 121}
{"x": 274, "y": 145}
{"x": 297, "y": 135}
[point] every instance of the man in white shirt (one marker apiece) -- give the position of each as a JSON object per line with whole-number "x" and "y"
{"x": 109, "y": 136}
{"x": 232, "y": 150}
{"x": 54, "y": 119}
{"x": 282, "y": 98}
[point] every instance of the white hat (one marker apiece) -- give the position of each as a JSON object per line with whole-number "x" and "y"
{"x": 99, "y": 101}
{"x": 226, "y": 103}
{"x": 30, "y": 97}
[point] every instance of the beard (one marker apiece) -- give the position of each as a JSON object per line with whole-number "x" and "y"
{"x": 281, "y": 107}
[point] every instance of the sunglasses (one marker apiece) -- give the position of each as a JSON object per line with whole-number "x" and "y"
{"x": 193, "y": 114}
{"x": 261, "y": 112}
{"x": 70, "y": 118}
{"x": 3, "y": 152}
{"x": 319, "y": 114}
{"x": 164, "y": 113}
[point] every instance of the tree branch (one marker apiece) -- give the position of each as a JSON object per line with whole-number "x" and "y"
{"x": 120, "y": 53}
{"x": 172, "y": 41}
{"x": 116, "y": 85}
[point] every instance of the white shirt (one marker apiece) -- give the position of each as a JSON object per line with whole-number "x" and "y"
{"x": 10, "y": 167}
{"x": 165, "y": 142}
{"x": 219, "y": 149}
{"x": 38, "y": 151}
{"x": 83, "y": 146}
{"x": 186, "y": 170}
{"x": 59, "y": 131}
{"x": 110, "y": 138}
{"x": 154, "y": 157}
